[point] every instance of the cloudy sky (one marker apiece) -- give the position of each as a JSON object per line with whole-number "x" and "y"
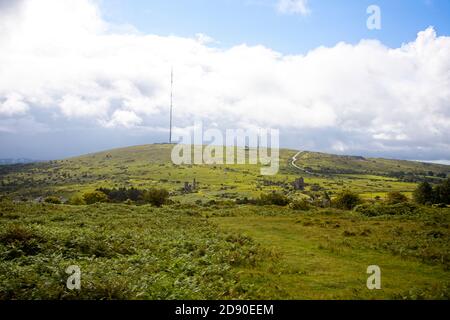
{"x": 79, "y": 76}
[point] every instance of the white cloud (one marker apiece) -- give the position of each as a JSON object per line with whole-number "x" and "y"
{"x": 62, "y": 58}
{"x": 204, "y": 39}
{"x": 123, "y": 118}
{"x": 293, "y": 7}
{"x": 13, "y": 105}
{"x": 76, "y": 107}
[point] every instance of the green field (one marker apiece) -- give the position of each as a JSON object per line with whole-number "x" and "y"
{"x": 204, "y": 245}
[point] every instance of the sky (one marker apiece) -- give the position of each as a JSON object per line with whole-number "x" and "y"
{"x": 79, "y": 76}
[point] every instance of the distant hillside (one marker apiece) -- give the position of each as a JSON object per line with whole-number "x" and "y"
{"x": 333, "y": 164}
{"x": 318, "y": 162}
{"x": 16, "y": 161}
{"x": 150, "y": 166}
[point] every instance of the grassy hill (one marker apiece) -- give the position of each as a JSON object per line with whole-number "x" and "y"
{"x": 327, "y": 163}
{"x": 195, "y": 248}
{"x": 150, "y": 165}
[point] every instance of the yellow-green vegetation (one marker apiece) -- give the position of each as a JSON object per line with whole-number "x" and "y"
{"x": 150, "y": 166}
{"x": 351, "y": 165}
{"x": 324, "y": 255}
{"x": 231, "y": 234}
{"x": 124, "y": 252}
{"x": 219, "y": 252}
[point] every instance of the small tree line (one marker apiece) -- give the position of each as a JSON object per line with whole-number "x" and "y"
{"x": 153, "y": 196}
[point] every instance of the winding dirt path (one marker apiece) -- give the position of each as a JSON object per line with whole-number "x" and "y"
{"x": 294, "y": 159}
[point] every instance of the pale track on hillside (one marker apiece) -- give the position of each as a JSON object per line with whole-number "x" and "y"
{"x": 294, "y": 159}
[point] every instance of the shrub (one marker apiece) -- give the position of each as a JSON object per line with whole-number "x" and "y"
{"x": 395, "y": 197}
{"x": 301, "y": 204}
{"x": 76, "y": 201}
{"x": 20, "y": 240}
{"x": 53, "y": 200}
{"x": 16, "y": 233}
{"x": 368, "y": 209}
{"x": 156, "y": 197}
{"x": 95, "y": 197}
{"x": 380, "y": 209}
{"x": 346, "y": 200}
{"x": 274, "y": 198}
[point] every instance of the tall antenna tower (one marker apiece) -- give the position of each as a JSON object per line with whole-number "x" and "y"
{"x": 171, "y": 105}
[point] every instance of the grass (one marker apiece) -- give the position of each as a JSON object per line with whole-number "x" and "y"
{"x": 150, "y": 166}
{"x": 198, "y": 249}
{"x": 365, "y": 166}
{"x": 231, "y": 252}
{"x": 326, "y": 257}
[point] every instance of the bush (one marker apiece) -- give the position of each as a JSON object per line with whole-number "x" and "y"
{"x": 122, "y": 194}
{"x": 95, "y": 197}
{"x": 53, "y": 200}
{"x": 16, "y": 233}
{"x": 380, "y": 209}
{"x": 302, "y": 205}
{"x": 274, "y": 198}
{"x": 156, "y": 197}
{"x": 20, "y": 240}
{"x": 395, "y": 197}
{"x": 76, "y": 201}
{"x": 346, "y": 200}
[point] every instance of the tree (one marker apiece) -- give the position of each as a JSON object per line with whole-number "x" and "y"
{"x": 94, "y": 197}
{"x": 423, "y": 193}
{"x": 442, "y": 192}
{"x": 395, "y": 197}
{"x": 347, "y": 200}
